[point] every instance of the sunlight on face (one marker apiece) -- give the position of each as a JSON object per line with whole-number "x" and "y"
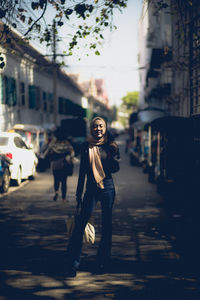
{"x": 99, "y": 129}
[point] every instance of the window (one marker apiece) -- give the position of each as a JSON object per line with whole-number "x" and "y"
{"x": 44, "y": 98}
{"x": 38, "y": 97}
{"x": 3, "y": 141}
{"x": 68, "y": 107}
{"x": 23, "y": 145}
{"x": 10, "y": 91}
{"x": 19, "y": 143}
{"x": 51, "y": 104}
{"x": 32, "y": 96}
{"x": 22, "y": 93}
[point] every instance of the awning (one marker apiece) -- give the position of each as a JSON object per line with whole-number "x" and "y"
{"x": 150, "y": 113}
{"x": 68, "y": 107}
{"x": 172, "y": 125}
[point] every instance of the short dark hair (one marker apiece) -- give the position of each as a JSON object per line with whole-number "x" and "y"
{"x": 60, "y": 133}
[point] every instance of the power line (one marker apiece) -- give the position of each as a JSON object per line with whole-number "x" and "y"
{"x": 115, "y": 69}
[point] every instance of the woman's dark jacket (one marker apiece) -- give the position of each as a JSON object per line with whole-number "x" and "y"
{"x": 110, "y": 158}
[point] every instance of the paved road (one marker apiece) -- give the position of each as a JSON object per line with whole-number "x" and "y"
{"x": 151, "y": 258}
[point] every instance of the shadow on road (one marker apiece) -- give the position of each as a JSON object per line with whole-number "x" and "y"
{"x": 155, "y": 254}
{"x": 144, "y": 265}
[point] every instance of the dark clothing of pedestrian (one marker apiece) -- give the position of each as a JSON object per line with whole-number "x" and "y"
{"x": 98, "y": 160}
{"x": 60, "y": 153}
{"x": 110, "y": 163}
{"x": 60, "y": 178}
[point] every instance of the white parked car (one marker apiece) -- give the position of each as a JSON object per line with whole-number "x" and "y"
{"x": 23, "y": 159}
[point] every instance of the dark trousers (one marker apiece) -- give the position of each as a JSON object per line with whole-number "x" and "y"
{"x": 92, "y": 195}
{"x": 60, "y": 177}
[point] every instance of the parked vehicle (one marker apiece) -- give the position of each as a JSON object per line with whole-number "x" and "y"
{"x": 135, "y": 149}
{"x": 134, "y": 155}
{"x": 32, "y": 135}
{"x": 4, "y": 173}
{"x": 23, "y": 159}
{"x": 170, "y": 151}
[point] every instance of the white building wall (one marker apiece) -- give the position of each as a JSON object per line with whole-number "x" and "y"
{"x": 154, "y": 33}
{"x": 23, "y": 69}
{"x": 68, "y": 92}
{"x": 144, "y": 51}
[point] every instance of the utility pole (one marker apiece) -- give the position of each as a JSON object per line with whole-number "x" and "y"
{"x": 55, "y": 73}
{"x": 55, "y": 108}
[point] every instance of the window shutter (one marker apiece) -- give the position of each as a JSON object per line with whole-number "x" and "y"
{"x": 32, "y": 96}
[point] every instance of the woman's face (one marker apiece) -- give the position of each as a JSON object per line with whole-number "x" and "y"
{"x": 98, "y": 129}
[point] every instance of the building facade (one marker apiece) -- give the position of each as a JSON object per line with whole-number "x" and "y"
{"x": 186, "y": 58}
{"x": 155, "y": 56}
{"x": 33, "y": 90}
{"x": 169, "y": 56}
{"x": 98, "y": 102}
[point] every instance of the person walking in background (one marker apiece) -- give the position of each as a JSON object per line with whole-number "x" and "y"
{"x": 99, "y": 158}
{"x": 60, "y": 152}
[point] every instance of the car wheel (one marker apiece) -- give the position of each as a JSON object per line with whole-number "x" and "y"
{"x": 33, "y": 173}
{"x": 19, "y": 177}
{"x": 6, "y": 182}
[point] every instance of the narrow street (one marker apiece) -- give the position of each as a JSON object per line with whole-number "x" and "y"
{"x": 147, "y": 261}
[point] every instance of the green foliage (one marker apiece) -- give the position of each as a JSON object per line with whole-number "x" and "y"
{"x": 31, "y": 16}
{"x": 130, "y": 101}
{"x": 128, "y": 105}
{"x": 2, "y": 63}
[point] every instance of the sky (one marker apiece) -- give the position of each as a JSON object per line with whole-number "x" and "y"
{"x": 117, "y": 64}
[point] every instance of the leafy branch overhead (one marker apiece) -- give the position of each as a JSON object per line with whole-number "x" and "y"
{"x": 34, "y": 19}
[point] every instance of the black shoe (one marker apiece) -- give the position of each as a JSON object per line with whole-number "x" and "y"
{"x": 101, "y": 268}
{"x": 71, "y": 272}
{"x": 72, "y": 268}
{"x": 102, "y": 265}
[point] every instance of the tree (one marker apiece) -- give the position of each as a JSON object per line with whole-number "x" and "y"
{"x": 34, "y": 19}
{"x": 130, "y": 101}
{"x": 128, "y": 105}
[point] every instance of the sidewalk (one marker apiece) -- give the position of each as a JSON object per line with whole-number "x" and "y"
{"x": 146, "y": 264}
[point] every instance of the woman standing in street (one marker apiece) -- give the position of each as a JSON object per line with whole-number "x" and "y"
{"x": 60, "y": 153}
{"x": 99, "y": 158}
